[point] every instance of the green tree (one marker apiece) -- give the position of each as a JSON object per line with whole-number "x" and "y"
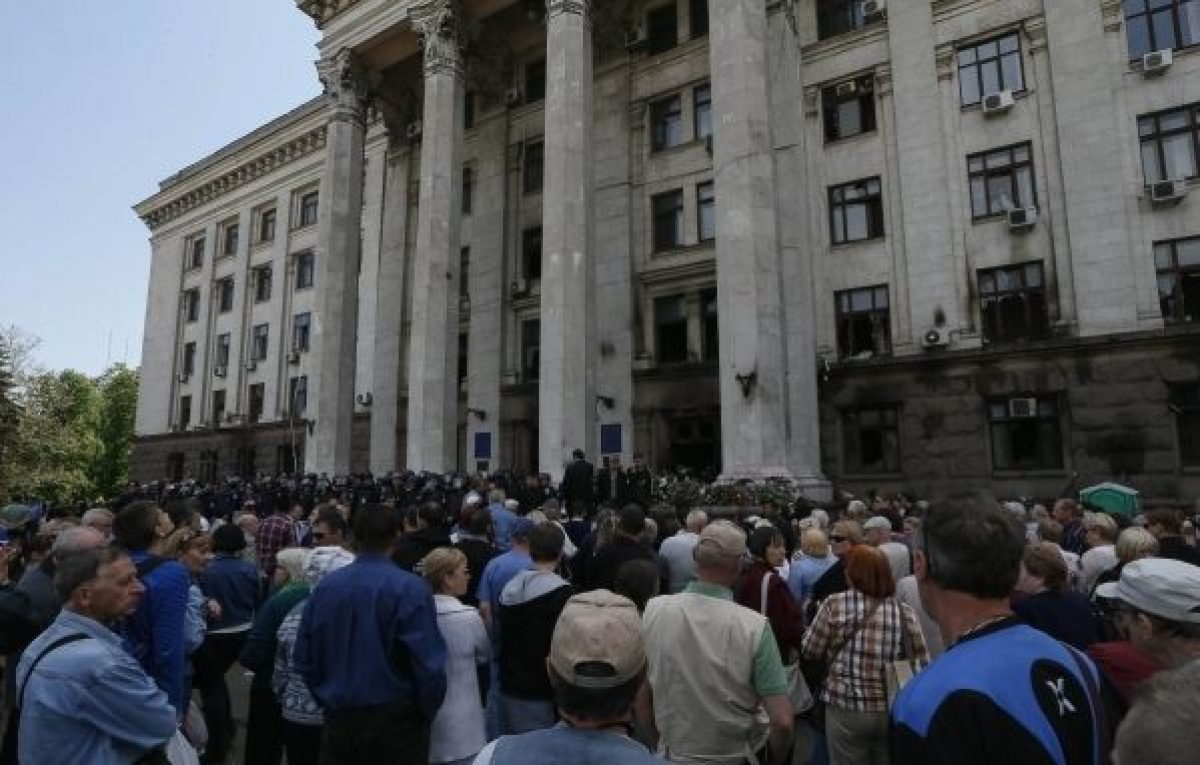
{"x": 10, "y": 416}
{"x": 58, "y": 441}
{"x": 118, "y": 389}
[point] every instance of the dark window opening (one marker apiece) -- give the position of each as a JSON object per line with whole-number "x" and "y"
{"x": 191, "y": 304}
{"x": 1177, "y": 264}
{"x": 863, "y": 322}
{"x": 848, "y": 108}
{"x": 535, "y": 157}
{"x": 189, "y": 358}
{"x": 1013, "y": 303}
{"x": 266, "y": 225}
{"x": 668, "y": 220}
{"x": 301, "y": 331}
{"x": 463, "y": 357}
{"x": 711, "y": 338}
{"x": 1025, "y": 433}
{"x": 464, "y": 273}
{"x": 231, "y": 239}
{"x": 185, "y": 411}
{"x": 223, "y": 350}
{"x": 288, "y": 458}
{"x": 257, "y": 398}
{"x": 835, "y": 17}
{"x": 297, "y": 395}
{"x": 305, "y": 263}
{"x": 1185, "y": 403}
{"x": 662, "y": 29}
{"x": 531, "y": 253}
{"x": 666, "y": 123}
{"x": 535, "y": 81}
{"x": 531, "y": 344}
{"x": 308, "y": 209}
{"x": 670, "y": 330}
{"x": 259, "y": 341}
{"x": 175, "y": 462}
{"x": 218, "y": 407}
{"x": 262, "y": 284}
{"x": 195, "y": 252}
{"x": 206, "y": 466}
{"x": 706, "y": 212}
{"x": 702, "y": 111}
{"x": 246, "y": 461}
{"x": 871, "y": 440}
{"x": 467, "y": 190}
{"x": 469, "y": 111}
{"x": 699, "y": 18}
{"x": 225, "y": 295}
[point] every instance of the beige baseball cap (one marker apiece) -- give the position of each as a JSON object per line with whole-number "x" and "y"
{"x": 597, "y": 642}
{"x": 725, "y": 537}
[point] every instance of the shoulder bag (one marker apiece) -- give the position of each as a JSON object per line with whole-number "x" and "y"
{"x": 798, "y": 693}
{"x": 897, "y": 673}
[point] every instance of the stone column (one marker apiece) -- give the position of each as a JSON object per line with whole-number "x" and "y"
{"x": 751, "y": 372}
{"x": 567, "y": 390}
{"x": 338, "y": 251}
{"x": 389, "y": 310}
{"x": 433, "y": 351}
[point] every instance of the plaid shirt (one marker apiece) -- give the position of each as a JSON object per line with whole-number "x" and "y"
{"x": 860, "y": 651}
{"x": 274, "y": 534}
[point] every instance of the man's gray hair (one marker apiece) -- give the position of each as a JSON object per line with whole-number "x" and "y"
{"x": 95, "y": 515}
{"x": 78, "y": 568}
{"x": 696, "y": 521}
{"x": 1160, "y": 728}
{"x": 76, "y": 539}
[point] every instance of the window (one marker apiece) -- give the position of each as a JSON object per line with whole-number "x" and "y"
{"x": 856, "y": 211}
{"x": 1012, "y": 300}
{"x": 666, "y": 123}
{"x": 230, "y": 243}
{"x": 298, "y": 395}
{"x": 469, "y": 111}
{"x": 662, "y": 28}
{"x": 699, "y": 18}
{"x": 304, "y": 269}
{"x": 1158, "y": 24}
{"x": 668, "y": 220}
{"x": 863, "y": 322}
{"x": 535, "y": 155}
{"x": 175, "y": 461}
{"x": 711, "y": 337}
{"x": 262, "y": 284}
{"x": 266, "y": 225}
{"x": 464, "y": 273}
{"x": 1178, "y": 267}
{"x": 1025, "y": 433}
{"x": 871, "y": 440}
{"x": 289, "y": 458}
{"x": 535, "y": 81}
{"x": 531, "y": 253}
{"x": 258, "y": 345}
{"x": 191, "y": 304}
{"x": 206, "y": 466}
{"x": 257, "y": 397}
{"x": 989, "y": 67}
{"x": 185, "y": 411}
{"x": 1170, "y": 144}
{"x": 218, "y": 407}
{"x": 189, "y": 359}
{"x": 463, "y": 359}
{"x": 467, "y": 179}
{"x": 835, "y": 17}
{"x": 225, "y": 295}
{"x": 308, "y": 209}
{"x": 301, "y": 331}
{"x": 702, "y": 111}
{"x": 1001, "y": 180}
{"x": 193, "y": 253}
{"x": 670, "y": 330}
{"x": 849, "y": 108}
{"x": 222, "y": 359}
{"x": 531, "y": 344}
{"x": 246, "y": 460}
{"x": 706, "y": 212}
{"x": 1185, "y": 403}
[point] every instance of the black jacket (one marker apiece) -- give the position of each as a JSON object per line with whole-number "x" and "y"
{"x": 1177, "y": 549}
{"x": 478, "y": 553}
{"x": 412, "y": 548}
{"x": 577, "y": 484}
{"x": 602, "y": 569}
{"x": 526, "y": 627}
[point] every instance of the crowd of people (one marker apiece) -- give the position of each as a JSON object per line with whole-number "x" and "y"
{"x": 494, "y": 620}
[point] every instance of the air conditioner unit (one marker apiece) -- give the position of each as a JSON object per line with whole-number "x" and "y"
{"x": 874, "y": 9}
{"x": 413, "y": 130}
{"x": 998, "y": 103}
{"x": 520, "y": 286}
{"x": 251, "y": 365}
{"x": 1022, "y": 407}
{"x": 1022, "y": 218}
{"x": 1157, "y": 62}
{"x": 294, "y": 357}
{"x": 183, "y": 377}
{"x": 512, "y": 97}
{"x": 1168, "y": 192}
{"x": 843, "y": 89}
{"x": 934, "y": 338}
{"x": 219, "y": 371}
{"x": 636, "y": 38}
{"x": 708, "y": 144}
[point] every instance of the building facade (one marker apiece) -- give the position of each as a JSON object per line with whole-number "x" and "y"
{"x": 902, "y": 244}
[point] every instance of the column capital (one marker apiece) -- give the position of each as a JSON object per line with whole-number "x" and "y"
{"x": 439, "y": 25}
{"x": 569, "y": 7}
{"x": 347, "y": 85}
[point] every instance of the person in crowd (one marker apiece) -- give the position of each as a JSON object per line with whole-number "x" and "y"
{"x": 264, "y": 723}
{"x": 877, "y": 532}
{"x": 500, "y": 571}
{"x": 714, "y": 666}
{"x": 627, "y": 545}
{"x": 1161, "y": 727}
{"x": 1101, "y": 555}
{"x": 194, "y": 550}
{"x": 909, "y": 594}
{"x": 612, "y": 484}
{"x": 1042, "y": 599}
{"x": 529, "y": 607}
{"x": 763, "y": 590}
{"x": 844, "y": 535}
{"x": 154, "y": 633}
{"x": 83, "y": 699}
{"x": 1001, "y": 687}
{"x": 1158, "y": 606}
{"x": 303, "y": 719}
{"x": 275, "y": 533}
{"x": 100, "y": 519}
{"x": 1167, "y": 528}
{"x": 676, "y": 552}
{"x": 248, "y": 523}
{"x": 474, "y": 541}
{"x": 458, "y": 731}
{"x": 604, "y": 533}
{"x": 330, "y": 529}
{"x": 1069, "y": 514}
{"x": 813, "y": 560}
{"x": 596, "y": 666}
{"x": 1051, "y": 531}
{"x": 857, "y": 633}
{"x": 502, "y": 520}
{"x": 1133, "y": 543}
{"x": 38, "y": 581}
{"x": 554, "y": 515}
{"x": 234, "y": 584}
{"x": 639, "y": 580}
{"x": 356, "y": 623}
{"x": 577, "y": 525}
{"x": 578, "y": 483}
{"x": 428, "y": 533}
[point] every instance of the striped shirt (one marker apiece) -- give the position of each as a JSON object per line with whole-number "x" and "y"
{"x": 860, "y": 649}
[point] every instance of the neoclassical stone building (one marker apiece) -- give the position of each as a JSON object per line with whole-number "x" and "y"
{"x": 881, "y": 244}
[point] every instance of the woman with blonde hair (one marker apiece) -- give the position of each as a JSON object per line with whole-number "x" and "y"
{"x": 458, "y": 732}
{"x": 809, "y": 564}
{"x": 844, "y": 536}
{"x": 1134, "y": 543}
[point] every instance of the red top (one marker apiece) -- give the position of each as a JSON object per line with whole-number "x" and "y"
{"x": 786, "y": 617}
{"x": 1124, "y": 665}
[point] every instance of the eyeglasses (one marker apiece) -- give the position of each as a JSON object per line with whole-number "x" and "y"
{"x": 838, "y": 539}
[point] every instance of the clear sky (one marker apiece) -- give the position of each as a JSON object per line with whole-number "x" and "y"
{"x": 100, "y": 100}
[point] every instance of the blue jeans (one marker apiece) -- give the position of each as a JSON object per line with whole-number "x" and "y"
{"x": 523, "y": 715}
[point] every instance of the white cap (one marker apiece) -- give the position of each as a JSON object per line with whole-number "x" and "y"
{"x": 1162, "y": 587}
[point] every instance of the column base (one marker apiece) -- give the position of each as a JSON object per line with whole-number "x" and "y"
{"x": 816, "y": 487}
{"x": 756, "y": 474}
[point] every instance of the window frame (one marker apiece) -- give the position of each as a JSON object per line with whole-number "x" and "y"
{"x": 256, "y": 401}
{"x": 534, "y": 83}
{"x": 656, "y": 23}
{"x": 852, "y": 429}
{"x": 1009, "y": 422}
{"x": 530, "y": 256}
{"x": 225, "y": 294}
{"x": 873, "y": 202}
{"x": 698, "y": 20}
{"x": 1038, "y": 325}
{"x": 185, "y": 411}
{"x": 706, "y": 189}
{"x": 188, "y": 364}
{"x": 682, "y": 353}
{"x": 831, "y": 101}
{"x": 306, "y": 264}
{"x": 194, "y": 247}
{"x": 1174, "y": 8}
{"x": 533, "y": 172}
{"x": 302, "y": 331}
{"x": 977, "y": 65}
{"x": 1011, "y": 170}
{"x": 230, "y": 230}
{"x": 702, "y": 106}
{"x": 264, "y": 278}
{"x": 267, "y": 217}
{"x": 224, "y": 344}
{"x": 191, "y": 305}
{"x": 1158, "y": 136}
{"x": 308, "y": 208}
{"x": 468, "y": 183}
{"x": 710, "y": 334}
{"x": 1184, "y": 402}
{"x": 260, "y": 341}
{"x": 530, "y": 372}
{"x": 665, "y": 113}
{"x": 880, "y": 317}
{"x": 297, "y": 391}
{"x": 219, "y": 396}
{"x": 1178, "y": 273}
{"x": 657, "y": 216}
{"x": 839, "y": 17}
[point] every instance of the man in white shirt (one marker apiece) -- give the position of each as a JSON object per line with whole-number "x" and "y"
{"x": 877, "y": 532}
{"x": 675, "y": 553}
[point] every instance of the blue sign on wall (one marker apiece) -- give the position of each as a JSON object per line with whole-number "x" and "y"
{"x": 483, "y": 446}
{"x": 610, "y": 439}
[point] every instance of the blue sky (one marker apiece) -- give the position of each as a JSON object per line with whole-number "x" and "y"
{"x": 100, "y": 100}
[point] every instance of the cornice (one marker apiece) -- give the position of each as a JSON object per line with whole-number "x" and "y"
{"x": 321, "y": 11}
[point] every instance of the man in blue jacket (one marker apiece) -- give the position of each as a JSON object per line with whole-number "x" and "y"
{"x": 371, "y": 653}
